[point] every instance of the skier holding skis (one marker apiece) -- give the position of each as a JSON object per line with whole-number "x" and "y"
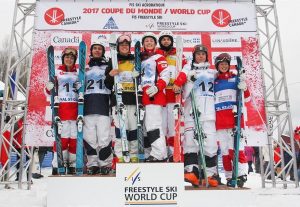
{"x": 125, "y": 71}
{"x": 155, "y": 77}
{"x": 167, "y": 49}
{"x": 97, "y": 121}
{"x": 66, "y": 77}
{"x": 226, "y": 87}
{"x": 199, "y": 77}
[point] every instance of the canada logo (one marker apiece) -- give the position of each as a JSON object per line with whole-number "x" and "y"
{"x": 54, "y": 16}
{"x": 221, "y": 18}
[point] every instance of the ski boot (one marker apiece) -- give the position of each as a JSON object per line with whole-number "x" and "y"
{"x": 241, "y": 180}
{"x": 218, "y": 178}
{"x": 153, "y": 159}
{"x": 105, "y": 170}
{"x": 94, "y": 170}
{"x": 212, "y": 181}
{"x": 192, "y": 177}
{"x": 134, "y": 159}
{"x": 71, "y": 171}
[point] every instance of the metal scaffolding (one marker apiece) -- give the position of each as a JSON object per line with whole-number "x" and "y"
{"x": 20, "y": 47}
{"x": 276, "y": 99}
{"x": 275, "y": 87}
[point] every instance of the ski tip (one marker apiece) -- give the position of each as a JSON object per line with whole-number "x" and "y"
{"x": 82, "y": 43}
{"x": 50, "y": 48}
{"x": 138, "y": 44}
{"x": 112, "y": 38}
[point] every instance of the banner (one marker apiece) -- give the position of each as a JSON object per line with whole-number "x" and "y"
{"x": 238, "y": 43}
{"x": 146, "y": 16}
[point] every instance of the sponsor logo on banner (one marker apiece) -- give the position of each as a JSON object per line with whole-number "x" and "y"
{"x": 54, "y": 16}
{"x": 134, "y": 176}
{"x": 111, "y": 24}
{"x": 103, "y": 38}
{"x": 139, "y": 188}
{"x": 65, "y": 39}
{"x": 71, "y": 20}
{"x": 238, "y": 22}
{"x": 230, "y": 40}
{"x": 221, "y": 18}
{"x": 232, "y": 54}
{"x": 171, "y": 25}
{"x": 191, "y": 40}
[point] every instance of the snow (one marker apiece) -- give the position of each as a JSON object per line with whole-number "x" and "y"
{"x": 255, "y": 197}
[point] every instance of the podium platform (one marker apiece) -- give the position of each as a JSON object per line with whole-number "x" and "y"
{"x": 141, "y": 184}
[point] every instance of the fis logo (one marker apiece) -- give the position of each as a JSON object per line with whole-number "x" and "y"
{"x": 111, "y": 24}
{"x": 133, "y": 177}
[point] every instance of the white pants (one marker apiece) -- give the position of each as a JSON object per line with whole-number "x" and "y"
{"x": 191, "y": 145}
{"x": 155, "y": 136}
{"x": 131, "y": 127}
{"x": 68, "y": 143}
{"x": 226, "y": 141}
{"x": 96, "y": 132}
{"x": 169, "y": 126}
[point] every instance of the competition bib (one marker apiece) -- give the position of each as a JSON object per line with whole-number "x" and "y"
{"x": 149, "y": 70}
{"x": 95, "y": 80}
{"x": 171, "y": 60}
{"x": 125, "y": 75}
{"x": 66, "y": 82}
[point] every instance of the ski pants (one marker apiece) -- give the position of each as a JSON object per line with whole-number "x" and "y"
{"x": 97, "y": 142}
{"x": 191, "y": 144}
{"x": 226, "y": 140}
{"x": 155, "y": 142}
{"x": 169, "y": 126}
{"x": 131, "y": 131}
{"x": 68, "y": 143}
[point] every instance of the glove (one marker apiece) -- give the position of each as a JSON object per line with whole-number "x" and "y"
{"x": 242, "y": 85}
{"x": 77, "y": 85}
{"x": 49, "y": 86}
{"x": 243, "y": 77}
{"x": 191, "y": 75}
{"x": 135, "y": 74}
{"x": 152, "y": 91}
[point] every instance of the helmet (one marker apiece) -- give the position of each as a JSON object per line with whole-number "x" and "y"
{"x": 166, "y": 33}
{"x": 200, "y": 48}
{"x": 221, "y": 58}
{"x": 149, "y": 34}
{"x": 98, "y": 42}
{"x": 68, "y": 51}
{"x": 123, "y": 38}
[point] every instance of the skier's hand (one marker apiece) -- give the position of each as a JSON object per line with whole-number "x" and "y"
{"x": 176, "y": 88}
{"x": 242, "y": 85}
{"x": 114, "y": 72}
{"x": 77, "y": 85}
{"x": 135, "y": 74}
{"x": 191, "y": 75}
{"x": 49, "y": 86}
{"x": 152, "y": 91}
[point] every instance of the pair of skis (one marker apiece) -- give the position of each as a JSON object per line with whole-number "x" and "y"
{"x": 121, "y": 108}
{"x": 56, "y": 121}
{"x": 237, "y": 129}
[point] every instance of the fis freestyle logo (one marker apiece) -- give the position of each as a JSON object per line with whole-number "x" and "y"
{"x": 54, "y": 16}
{"x": 133, "y": 177}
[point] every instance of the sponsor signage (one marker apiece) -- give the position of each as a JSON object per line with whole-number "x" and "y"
{"x": 114, "y": 16}
{"x": 66, "y": 39}
{"x": 144, "y": 184}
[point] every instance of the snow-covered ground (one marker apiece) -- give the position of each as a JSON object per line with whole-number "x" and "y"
{"x": 258, "y": 197}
